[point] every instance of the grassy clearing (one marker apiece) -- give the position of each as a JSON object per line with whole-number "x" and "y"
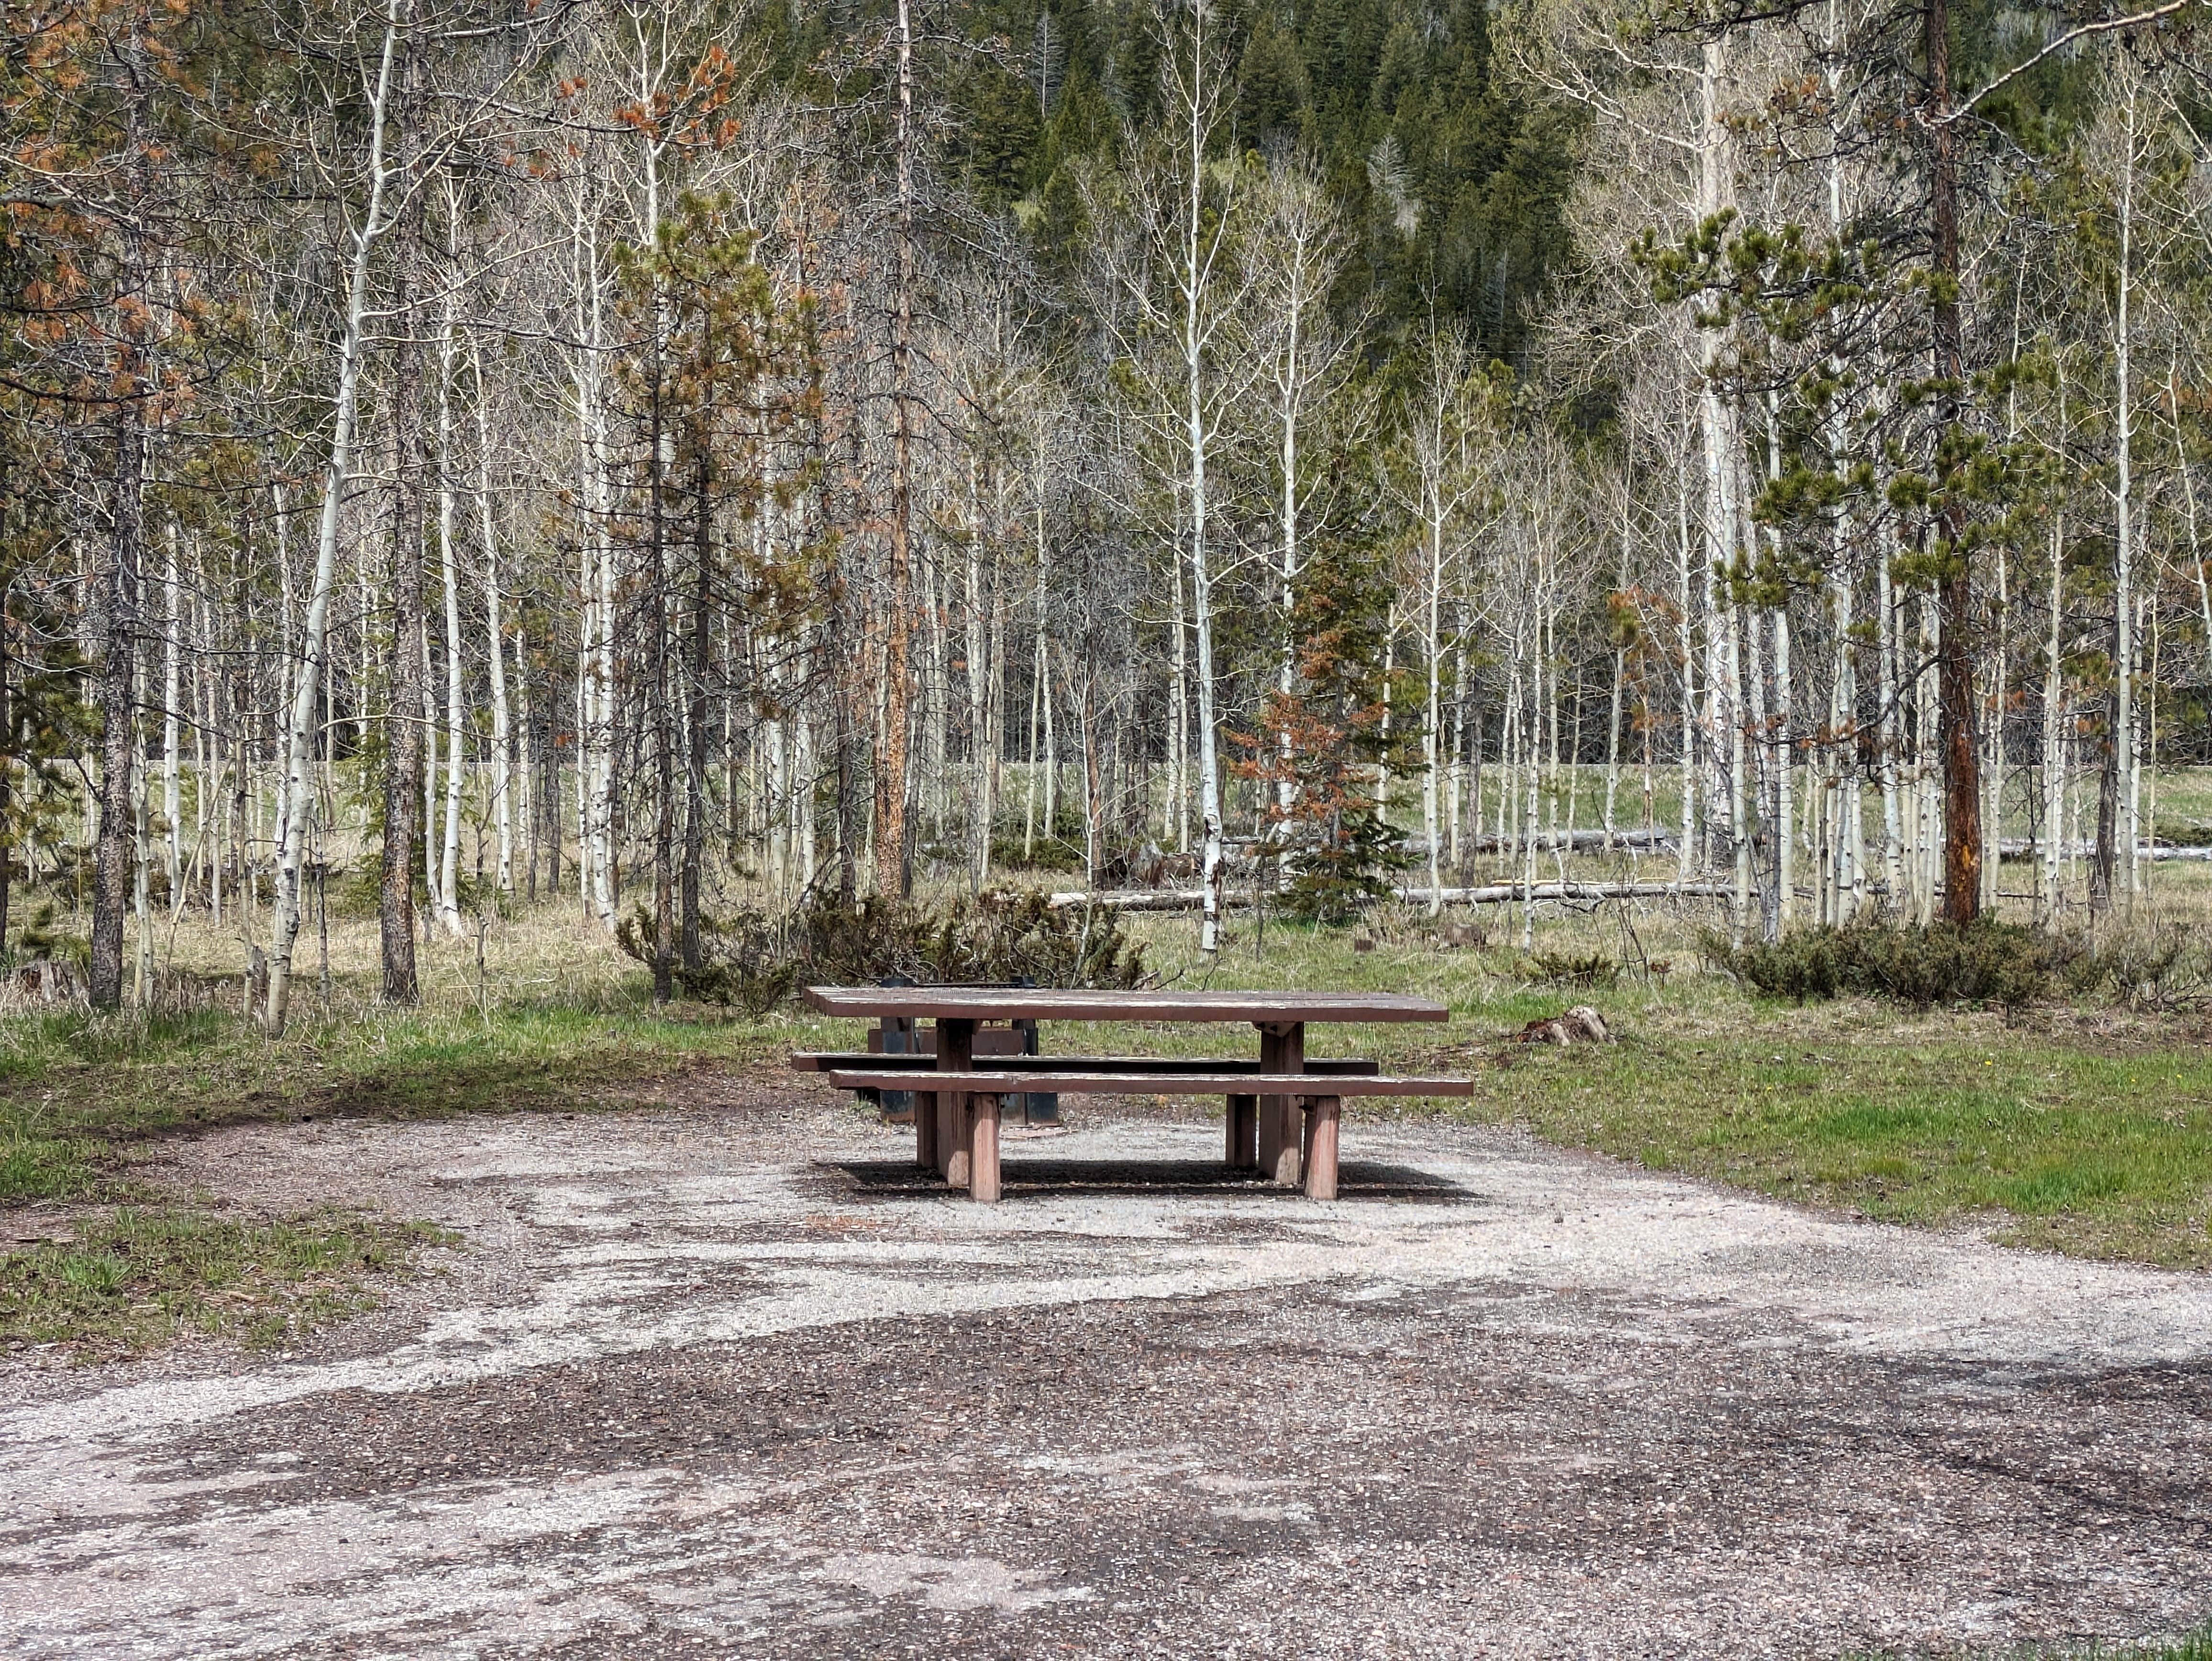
{"x": 2086, "y": 1130}
{"x": 139, "y": 1276}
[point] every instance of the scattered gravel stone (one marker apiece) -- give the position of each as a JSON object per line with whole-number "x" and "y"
{"x": 728, "y": 1378}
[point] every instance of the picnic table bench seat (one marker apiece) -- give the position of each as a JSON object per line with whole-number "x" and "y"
{"x": 972, "y": 1161}
{"x": 875, "y": 1062}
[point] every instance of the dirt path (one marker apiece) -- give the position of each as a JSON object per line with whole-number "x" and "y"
{"x": 724, "y": 1379}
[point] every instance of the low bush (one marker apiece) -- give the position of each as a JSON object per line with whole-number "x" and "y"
{"x": 1982, "y": 962}
{"x": 2154, "y": 967}
{"x": 1589, "y": 969}
{"x": 755, "y": 959}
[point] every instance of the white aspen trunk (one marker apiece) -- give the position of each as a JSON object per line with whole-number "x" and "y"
{"x": 367, "y": 593}
{"x": 1193, "y": 280}
{"x": 936, "y": 695}
{"x": 1029, "y": 807}
{"x": 599, "y": 809}
{"x": 1533, "y": 751}
{"x": 1051, "y": 744}
{"x": 2189, "y": 503}
{"x": 524, "y": 777}
{"x": 205, "y": 750}
{"x": 802, "y": 798}
{"x": 429, "y": 779}
{"x": 1458, "y": 772}
{"x": 2054, "y": 726}
{"x": 1037, "y": 698}
{"x": 141, "y": 980}
{"x": 502, "y": 778}
{"x": 979, "y": 716}
{"x": 300, "y": 726}
{"x": 994, "y": 709}
{"x": 1890, "y": 734}
{"x": 1845, "y": 722}
{"x": 1619, "y": 668}
{"x": 1432, "y": 715}
{"x": 1993, "y": 763}
{"x": 1720, "y": 447}
{"x": 1686, "y": 649}
{"x": 1508, "y": 760}
{"x": 284, "y": 633}
{"x": 2128, "y": 879}
{"x": 1739, "y": 769}
{"x": 448, "y": 896}
{"x": 171, "y": 801}
{"x": 1176, "y": 825}
{"x": 1286, "y": 679}
{"x": 1390, "y": 679}
{"x": 1785, "y": 764}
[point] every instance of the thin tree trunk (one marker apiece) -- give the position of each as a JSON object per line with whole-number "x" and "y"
{"x": 300, "y": 726}
{"x": 503, "y": 774}
{"x": 1962, "y": 794}
{"x": 893, "y": 851}
{"x": 2127, "y": 879}
{"x": 402, "y": 773}
{"x": 449, "y": 909}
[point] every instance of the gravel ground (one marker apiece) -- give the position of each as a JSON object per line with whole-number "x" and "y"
{"x": 724, "y": 1378}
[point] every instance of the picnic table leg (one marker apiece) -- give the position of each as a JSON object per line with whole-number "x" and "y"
{"x": 925, "y": 1128}
{"x": 1282, "y": 1050}
{"x": 983, "y": 1148}
{"x": 1244, "y": 1132}
{"x": 956, "y": 1053}
{"x": 1322, "y": 1113}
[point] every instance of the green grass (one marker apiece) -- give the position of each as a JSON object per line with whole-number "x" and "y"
{"x": 1929, "y": 1121}
{"x": 139, "y": 1276}
{"x": 2090, "y": 1136}
{"x": 2189, "y": 1646}
{"x": 78, "y": 1091}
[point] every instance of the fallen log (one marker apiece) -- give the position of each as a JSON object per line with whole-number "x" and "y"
{"x": 1500, "y": 893}
{"x": 1550, "y": 842}
{"x": 2021, "y": 848}
{"x": 1190, "y": 899}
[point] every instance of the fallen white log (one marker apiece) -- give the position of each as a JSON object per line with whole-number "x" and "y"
{"x": 2021, "y": 848}
{"x": 1549, "y": 842}
{"x": 1185, "y": 899}
{"x": 1500, "y": 893}
{"x": 1147, "y": 899}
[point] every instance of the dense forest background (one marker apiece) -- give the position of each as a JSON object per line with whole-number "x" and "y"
{"x": 707, "y": 458}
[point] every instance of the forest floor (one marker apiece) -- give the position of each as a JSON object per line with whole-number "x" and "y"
{"x": 719, "y": 1375}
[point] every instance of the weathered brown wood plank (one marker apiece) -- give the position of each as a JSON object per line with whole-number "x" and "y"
{"x": 1243, "y": 1152}
{"x": 983, "y": 1148}
{"x": 1156, "y": 1084}
{"x": 856, "y": 1061}
{"x": 1323, "y": 1115}
{"x": 1016, "y": 1003}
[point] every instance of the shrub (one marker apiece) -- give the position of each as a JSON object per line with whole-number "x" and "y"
{"x": 1984, "y": 962}
{"x": 2155, "y": 968}
{"x": 755, "y": 960}
{"x": 1593, "y": 970}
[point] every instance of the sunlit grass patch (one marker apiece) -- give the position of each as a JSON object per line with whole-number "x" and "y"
{"x": 141, "y": 1276}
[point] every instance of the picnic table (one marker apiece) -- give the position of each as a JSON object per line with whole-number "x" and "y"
{"x": 957, "y": 1106}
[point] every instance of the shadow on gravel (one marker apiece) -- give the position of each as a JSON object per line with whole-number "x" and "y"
{"x": 1021, "y": 1178}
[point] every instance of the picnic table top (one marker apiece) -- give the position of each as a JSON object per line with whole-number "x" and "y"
{"x": 1000, "y": 1003}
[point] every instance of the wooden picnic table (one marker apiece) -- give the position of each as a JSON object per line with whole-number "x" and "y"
{"x": 1262, "y": 1129}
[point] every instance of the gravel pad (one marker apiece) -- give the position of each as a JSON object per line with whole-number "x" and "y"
{"x": 729, "y": 1379}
